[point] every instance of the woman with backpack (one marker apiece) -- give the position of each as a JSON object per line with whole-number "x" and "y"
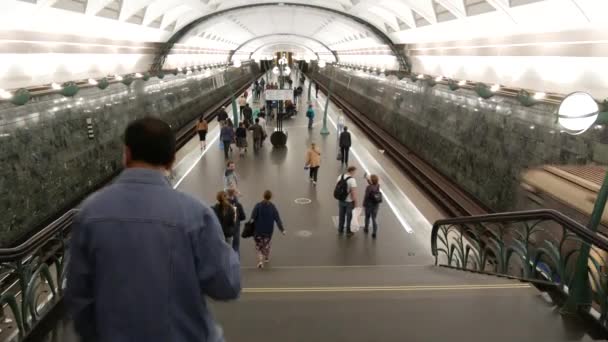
{"x": 264, "y": 216}
{"x": 226, "y": 214}
{"x": 371, "y": 203}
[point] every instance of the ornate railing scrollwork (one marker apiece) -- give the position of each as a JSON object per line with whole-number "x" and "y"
{"x": 32, "y": 277}
{"x": 540, "y": 246}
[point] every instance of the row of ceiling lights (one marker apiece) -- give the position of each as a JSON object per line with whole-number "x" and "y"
{"x": 22, "y": 96}
{"x": 576, "y": 113}
{"x": 539, "y": 95}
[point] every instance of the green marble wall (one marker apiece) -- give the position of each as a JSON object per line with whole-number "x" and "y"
{"x": 483, "y": 145}
{"x": 47, "y": 159}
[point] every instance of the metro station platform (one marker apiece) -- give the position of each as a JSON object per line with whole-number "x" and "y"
{"x": 321, "y": 286}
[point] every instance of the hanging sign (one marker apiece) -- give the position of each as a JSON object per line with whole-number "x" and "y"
{"x": 278, "y": 94}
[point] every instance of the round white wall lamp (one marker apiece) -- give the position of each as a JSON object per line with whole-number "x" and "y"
{"x": 578, "y": 112}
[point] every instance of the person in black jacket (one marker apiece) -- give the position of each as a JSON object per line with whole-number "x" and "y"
{"x": 222, "y": 116}
{"x": 226, "y": 215}
{"x": 240, "y": 217}
{"x": 264, "y": 216}
{"x": 248, "y": 115}
{"x": 345, "y": 143}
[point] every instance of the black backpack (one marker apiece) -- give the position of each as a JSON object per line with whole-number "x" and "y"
{"x": 226, "y": 216}
{"x": 341, "y": 189}
{"x": 375, "y": 196}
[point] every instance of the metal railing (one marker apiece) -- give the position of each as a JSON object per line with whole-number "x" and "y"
{"x": 31, "y": 277}
{"x": 539, "y": 246}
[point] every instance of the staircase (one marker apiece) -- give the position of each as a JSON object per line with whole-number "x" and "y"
{"x": 401, "y": 303}
{"x": 499, "y": 277}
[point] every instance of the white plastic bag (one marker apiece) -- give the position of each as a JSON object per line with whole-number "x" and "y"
{"x": 354, "y": 224}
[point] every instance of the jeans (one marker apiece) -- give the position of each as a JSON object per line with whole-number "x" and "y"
{"x": 226, "y": 148}
{"x": 345, "y": 215}
{"x": 345, "y": 151}
{"x": 310, "y": 123}
{"x": 371, "y": 212}
{"x": 314, "y": 171}
{"x": 236, "y": 239}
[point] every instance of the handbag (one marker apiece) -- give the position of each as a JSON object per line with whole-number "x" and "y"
{"x": 248, "y": 230}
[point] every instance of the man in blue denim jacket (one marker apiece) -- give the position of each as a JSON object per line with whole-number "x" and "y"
{"x": 143, "y": 256}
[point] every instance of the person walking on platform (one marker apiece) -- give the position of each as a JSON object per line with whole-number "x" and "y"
{"x": 345, "y": 143}
{"x": 310, "y": 114}
{"x": 241, "y": 139}
{"x": 137, "y": 242}
{"x": 240, "y": 217}
{"x": 262, "y": 85}
{"x": 222, "y": 116}
{"x": 371, "y": 203}
{"x": 264, "y": 216}
{"x": 248, "y": 115}
{"x": 226, "y": 214}
{"x": 227, "y": 137}
{"x": 201, "y": 128}
{"x": 258, "y": 134}
{"x": 261, "y": 119}
{"x": 231, "y": 179}
{"x": 345, "y": 193}
{"x": 316, "y": 90}
{"x": 313, "y": 162}
{"x": 242, "y": 103}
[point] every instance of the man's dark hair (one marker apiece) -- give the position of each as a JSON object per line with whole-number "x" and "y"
{"x": 257, "y": 121}
{"x": 345, "y": 128}
{"x": 150, "y": 140}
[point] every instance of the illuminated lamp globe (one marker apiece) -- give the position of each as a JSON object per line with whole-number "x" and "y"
{"x": 577, "y": 113}
{"x": 275, "y": 70}
{"x": 322, "y": 64}
{"x": 287, "y": 71}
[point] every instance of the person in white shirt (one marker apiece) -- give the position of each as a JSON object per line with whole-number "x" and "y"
{"x": 349, "y": 203}
{"x": 262, "y": 123}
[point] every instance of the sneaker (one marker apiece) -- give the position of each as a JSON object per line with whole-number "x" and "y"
{"x": 260, "y": 265}
{"x": 340, "y": 231}
{"x": 267, "y": 260}
{"x": 349, "y": 234}
{"x": 373, "y": 235}
{"x": 314, "y": 182}
{"x": 366, "y": 230}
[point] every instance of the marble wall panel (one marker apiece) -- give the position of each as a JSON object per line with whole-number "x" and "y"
{"x": 48, "y": 160}
{"x": 482, "y": 144}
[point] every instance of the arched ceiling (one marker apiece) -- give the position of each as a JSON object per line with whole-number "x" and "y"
{"x": 245, "y": 24}
{"x": 399, "y": 19}
{"x": 342, "y": 25}
{"x": 267, "y": 44}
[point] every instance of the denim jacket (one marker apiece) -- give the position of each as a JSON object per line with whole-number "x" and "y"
{"x": 142, "y": 259}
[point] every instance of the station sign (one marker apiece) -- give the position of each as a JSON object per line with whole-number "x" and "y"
{"x": 278, "y": 94}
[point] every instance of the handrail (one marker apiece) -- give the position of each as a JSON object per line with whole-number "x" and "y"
{"x": 538, "y": 246}
{"x": 542, "y": 214}
{"x": 22, "y": 250}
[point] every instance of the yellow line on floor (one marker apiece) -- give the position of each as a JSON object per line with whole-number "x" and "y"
{"x": 385, "y": 288}
{"x": 337, "y": 267}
